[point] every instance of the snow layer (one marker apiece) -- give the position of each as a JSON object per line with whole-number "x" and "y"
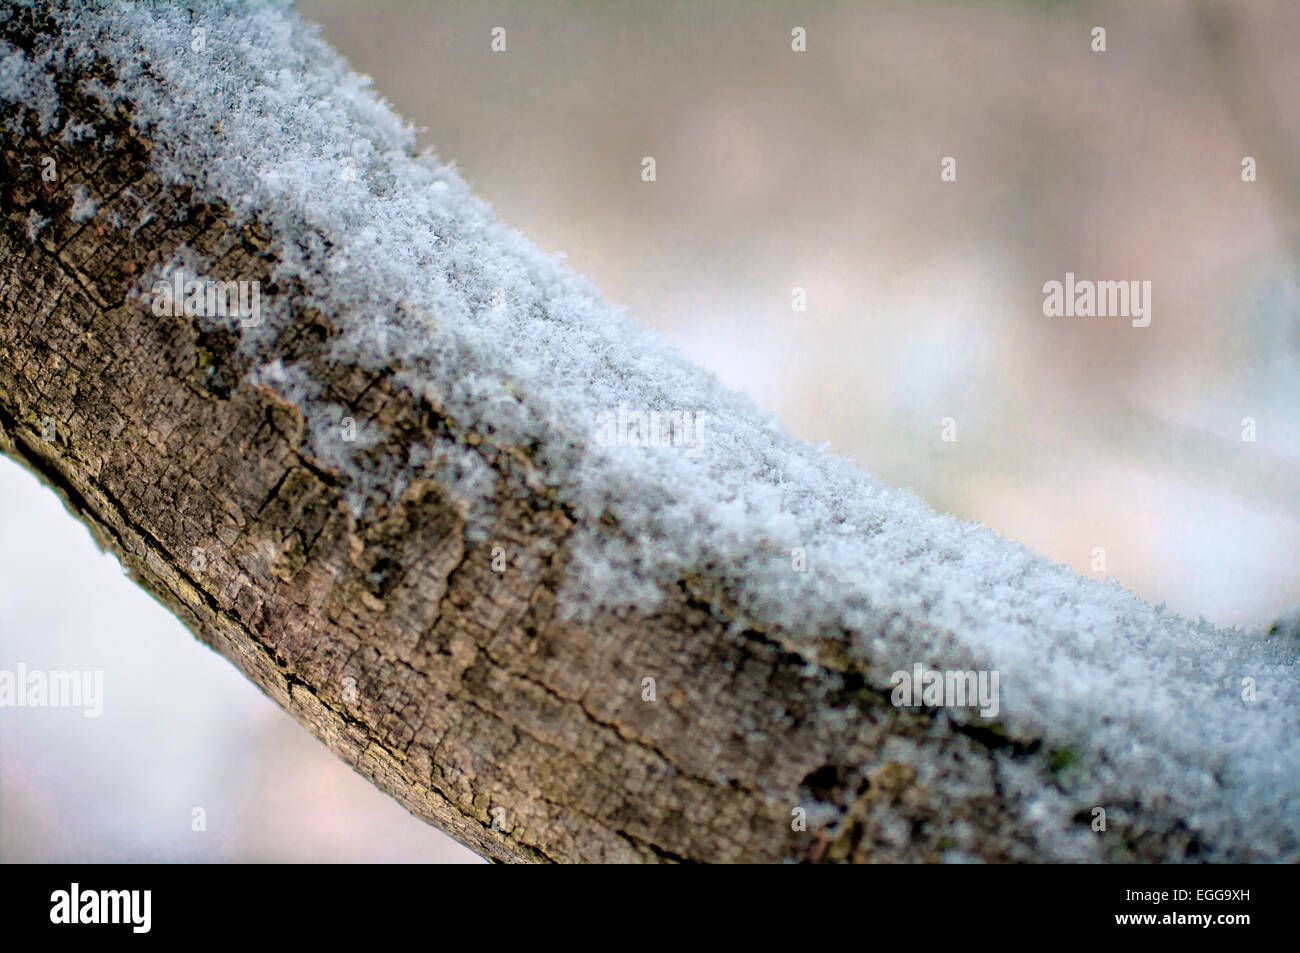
{"x": 247, "y": 104}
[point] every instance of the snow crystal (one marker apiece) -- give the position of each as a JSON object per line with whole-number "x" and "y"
{"x": 83, "y": 205}
{"x": 35, "y": 222}
{"x": 29, "y": 79}
{"x": 526, "y": 354}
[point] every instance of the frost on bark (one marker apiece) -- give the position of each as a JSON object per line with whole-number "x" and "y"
{"x": 435, "y": 660}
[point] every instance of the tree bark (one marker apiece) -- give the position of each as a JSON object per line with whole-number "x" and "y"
{"x": 456, "y": 688}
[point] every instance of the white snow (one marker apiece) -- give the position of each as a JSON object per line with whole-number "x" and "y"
{"x": 525, "y": 353}
{"x": 83, "y": 205}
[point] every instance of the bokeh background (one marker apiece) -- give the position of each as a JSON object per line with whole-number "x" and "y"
{"x": 777, "y": 170}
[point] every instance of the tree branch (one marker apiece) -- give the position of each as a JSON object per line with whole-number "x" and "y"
{"x": 429, "y": 633}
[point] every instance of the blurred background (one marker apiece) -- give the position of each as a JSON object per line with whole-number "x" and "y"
{"x": 778, "y": 170}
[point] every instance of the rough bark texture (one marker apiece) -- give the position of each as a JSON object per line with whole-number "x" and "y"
{"x": 457, "y": 689}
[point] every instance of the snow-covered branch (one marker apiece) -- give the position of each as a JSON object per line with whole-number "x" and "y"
{"x": 509, "y": 553}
